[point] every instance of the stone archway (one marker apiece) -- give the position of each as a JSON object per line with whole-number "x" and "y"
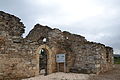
{"x": 50, "y": 58}
{"x": 43, "y": 59}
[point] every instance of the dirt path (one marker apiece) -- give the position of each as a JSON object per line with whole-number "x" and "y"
{"x": 110, "y": 75}
{"x": 61, "y": 76}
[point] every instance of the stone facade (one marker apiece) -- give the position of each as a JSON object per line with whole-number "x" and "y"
{"x": 20, "y": 57}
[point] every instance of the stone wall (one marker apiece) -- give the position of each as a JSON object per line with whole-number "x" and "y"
{"x": 82, "y": 56}
{"x": 90, "y": 58}
{"x": 19, "y": 57}
{"x": 58, "y": 41}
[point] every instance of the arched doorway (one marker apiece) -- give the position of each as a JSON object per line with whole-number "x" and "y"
{"x": 46, "y": 54}
{"x": 43, "y": 61}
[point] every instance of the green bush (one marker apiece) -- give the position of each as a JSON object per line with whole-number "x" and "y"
{"x": 117, "y": 60}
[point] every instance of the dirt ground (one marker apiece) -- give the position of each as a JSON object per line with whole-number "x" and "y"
{"x": 61, "y": 76}
{"x": 110, "y": 75}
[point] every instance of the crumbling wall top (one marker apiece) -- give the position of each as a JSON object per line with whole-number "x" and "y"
{"x": 11, "y": 24}
{"x": 38, "y": 32}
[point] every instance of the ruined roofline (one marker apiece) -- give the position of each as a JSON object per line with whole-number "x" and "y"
{"x": 10, "y": 15}
{"x": 73, "y": 34}
{"x": 11, "y": 24}
{"x": 91, "y": 42}
{"x": 37, "y": 26}
{"x": 108, "y": 47}
{"x": 66, "y": 32}
{"x": 6, "y": 16}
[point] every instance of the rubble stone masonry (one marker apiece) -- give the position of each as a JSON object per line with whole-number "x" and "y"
{"x": 19, "y": 57}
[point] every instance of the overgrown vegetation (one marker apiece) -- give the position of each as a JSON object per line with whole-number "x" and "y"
{"x": 117, "y": 60}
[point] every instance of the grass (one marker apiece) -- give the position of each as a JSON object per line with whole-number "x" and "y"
{"x": 117, "y": 60}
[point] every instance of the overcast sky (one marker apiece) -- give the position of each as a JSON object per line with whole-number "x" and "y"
{"x": 97, "y": 20}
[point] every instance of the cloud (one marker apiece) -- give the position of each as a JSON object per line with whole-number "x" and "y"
{"x": 97, "y": 20}
{"x": 28, "y": 10}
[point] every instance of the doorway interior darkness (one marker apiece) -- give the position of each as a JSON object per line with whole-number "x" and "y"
{"x": 43, "y": 61}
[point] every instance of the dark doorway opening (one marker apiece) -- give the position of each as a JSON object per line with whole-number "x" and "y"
{"x": 43, "y": 62}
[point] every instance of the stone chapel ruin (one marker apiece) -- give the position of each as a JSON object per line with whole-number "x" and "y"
{"x": 26, "y": 57}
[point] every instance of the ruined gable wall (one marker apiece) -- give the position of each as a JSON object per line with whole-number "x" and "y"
{"x": 82, "y": 56}
{"x": 58, "y": 41}
{"x": 38, "y": 33}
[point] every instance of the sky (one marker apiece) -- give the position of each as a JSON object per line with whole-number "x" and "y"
{"x": 97, "y": 20}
